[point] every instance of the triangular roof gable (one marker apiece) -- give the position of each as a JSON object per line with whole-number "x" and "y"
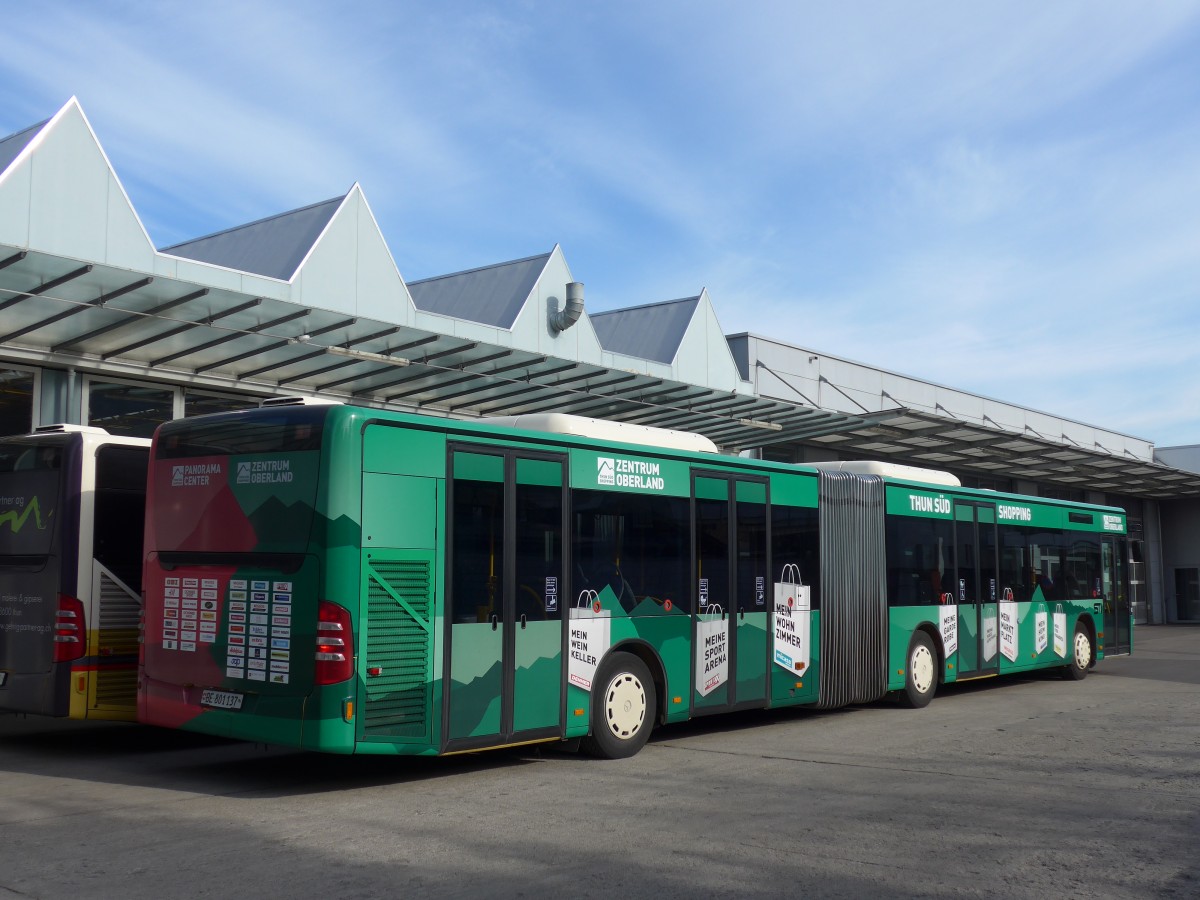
{"x": 491, "y": 295}
{"x": 11, "y": 146}
{"x": 350, "y": 268}
{"x": 60, "y": 195}
{"x": 653, "y": 331}
{"x": 704, "y": 356}
{"x": 272, "y": 247}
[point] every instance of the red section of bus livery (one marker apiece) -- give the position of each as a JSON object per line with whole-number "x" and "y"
{"x": 177, "y": 651}
{"x": 195, "y": 508}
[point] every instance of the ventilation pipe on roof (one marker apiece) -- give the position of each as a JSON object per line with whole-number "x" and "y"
{"x": 562, "y": 319}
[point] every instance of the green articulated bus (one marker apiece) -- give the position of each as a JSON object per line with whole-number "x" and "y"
{"x": 352, "y": 580}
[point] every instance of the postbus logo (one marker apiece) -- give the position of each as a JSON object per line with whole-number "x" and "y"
{"x": 606, "y": 470}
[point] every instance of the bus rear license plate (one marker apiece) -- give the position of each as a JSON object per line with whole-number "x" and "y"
{"x": 221, "y": 699}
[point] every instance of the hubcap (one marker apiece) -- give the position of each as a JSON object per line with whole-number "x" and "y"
{"x": 920, "y": 667}
{"x": 625, "y": 705}
{"x": 1083, "y": 650}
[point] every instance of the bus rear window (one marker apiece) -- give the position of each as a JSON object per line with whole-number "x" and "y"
{"x": 229, "y": 434}
{"x": 241, "y": 482}
{"x": 29, "y": 495}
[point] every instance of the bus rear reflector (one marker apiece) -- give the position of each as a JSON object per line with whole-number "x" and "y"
{"x": 70, "y": 633}
{"x": 335, "y": 644}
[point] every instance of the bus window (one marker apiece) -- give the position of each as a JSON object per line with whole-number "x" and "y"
{"x": 29, "y": 493}
{"x": 121, "y": 511}
{"x": 1014, "y": 563}
{"x": 636, "y": 545}
{"x": 477, "y": 535}
{"x": 795, "y": 539}
{"x": 920, "y": 560}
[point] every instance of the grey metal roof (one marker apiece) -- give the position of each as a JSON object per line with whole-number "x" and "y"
{"x": 11, "y": 146}
{"x": 653, "y": 331}
{"x": 491, "y": 295}
{"x": 273, "y": 247}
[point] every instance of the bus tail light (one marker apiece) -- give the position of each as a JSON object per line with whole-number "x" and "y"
{"x": 70, "y": 633}
{"x": 335, "y": 644}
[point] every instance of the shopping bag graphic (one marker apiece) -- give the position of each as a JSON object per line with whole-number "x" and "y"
{"x": 948, "y": 624}
{"x": 1009, "y": 637}
{"x": 1060, "y": 632}
{"x": 1041, "y": 631}
{"x": 792, "y": 621}
{"x": 712, "y": 650}
{"x": 989, "y": 637}
{"x": 590, "y": 636}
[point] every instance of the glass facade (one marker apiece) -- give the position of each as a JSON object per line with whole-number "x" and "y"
{"x": 133, "y": 410}
{"x": 16, "y": 401}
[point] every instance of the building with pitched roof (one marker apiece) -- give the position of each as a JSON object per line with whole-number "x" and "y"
{"x": 98, "y": 326}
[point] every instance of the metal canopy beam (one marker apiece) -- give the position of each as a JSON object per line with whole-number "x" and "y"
{"x": 490, "y": 407}
{"x": 76, "y": 309}
{"x": 440, "y": 397}
{"x": 129, "y": 319}
{"x": 226, "y": 338}
{"x": 15, "y": 258}
{"x": 993, "y": 452}
{"x": 186, "y": 326}
{"x": 535, "y": 361}
{"x": 487, "y": 382}
{"x": 50, "y": 285}
{"x": 387, "y": 332}
{"x": 278, "y": 345}
{"x": 461, "y": 348}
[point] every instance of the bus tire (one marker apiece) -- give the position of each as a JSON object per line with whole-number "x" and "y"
{"x": 1082, "y": 654}
{"x": 920, "y": 671}
{"x": 623, "y": 705}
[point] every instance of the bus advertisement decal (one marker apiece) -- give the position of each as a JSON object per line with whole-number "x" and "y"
{"x": 712, "y": 650}
{"x": 989, "y": 637}
{"x": 590, "y": 636}
{"x": 1009, "y": 637}
{"x": 948, "y": 626}
{"x": 793, "y": 625}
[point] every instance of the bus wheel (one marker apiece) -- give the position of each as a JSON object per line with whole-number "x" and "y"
{"x": 623, "y": 707}
{"x": 1081, "y": 655}
{"x": 921, "y": 673}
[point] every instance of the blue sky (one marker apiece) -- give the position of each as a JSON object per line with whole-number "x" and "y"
{"x": 1001, "y": 197}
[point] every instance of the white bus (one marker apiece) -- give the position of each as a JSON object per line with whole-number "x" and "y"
{"x": 72, "y": 508}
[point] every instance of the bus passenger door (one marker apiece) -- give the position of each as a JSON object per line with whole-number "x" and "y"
{"x": 1118, "y": 613}
{"x": 536, "y": 656}
{"x": 730, "y": 540}
{"x": 976, "y": 589}
{"x": 505, "y": 562}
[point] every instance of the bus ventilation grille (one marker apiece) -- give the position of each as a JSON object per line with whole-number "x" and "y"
{"x": 399, "y": 646}
{"x": 116, "y": 673}
{"x": 854, "y": 623}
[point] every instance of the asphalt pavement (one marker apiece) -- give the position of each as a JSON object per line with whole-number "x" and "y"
{"x": 1015, "y": 787}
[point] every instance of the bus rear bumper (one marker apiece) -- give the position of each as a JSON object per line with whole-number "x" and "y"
{"x": 267, "y": 720}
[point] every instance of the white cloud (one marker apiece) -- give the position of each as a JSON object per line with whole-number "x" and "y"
{"x": 996, "y": 196}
